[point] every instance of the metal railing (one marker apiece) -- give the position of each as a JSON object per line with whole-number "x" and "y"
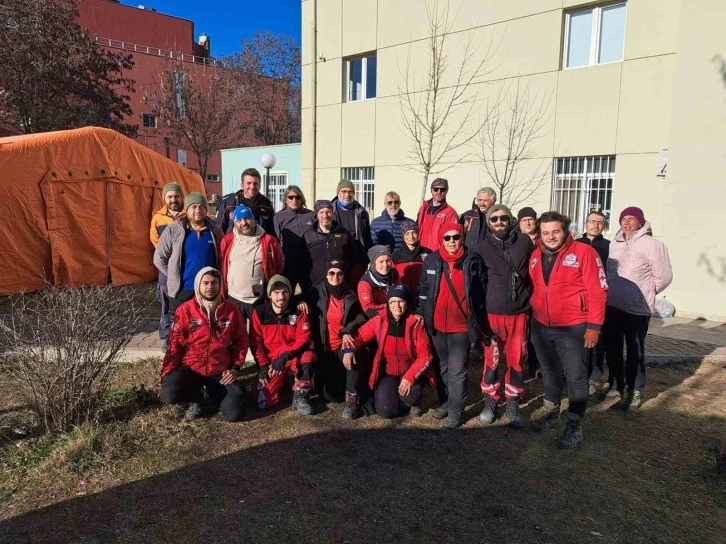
{"x": 146, "y": 50}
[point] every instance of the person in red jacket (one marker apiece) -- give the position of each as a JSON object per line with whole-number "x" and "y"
{"x": 250, "y": 257}
{"x": 408, "y": 258}
{"x": 373, "y": 286}
{"x": 568, "y": 310}
{"x": 207, "y": 348}
{"x": 403, "y": 356}
{"x": 435, "y": 212}
{"x": 280, "y": 340}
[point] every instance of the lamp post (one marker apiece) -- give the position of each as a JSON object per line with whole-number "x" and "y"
{"x": 268, "y": 161}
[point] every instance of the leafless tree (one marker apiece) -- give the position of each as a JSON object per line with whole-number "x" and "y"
{"x": 511, "y": 136}
{"x": 441, "y": 110}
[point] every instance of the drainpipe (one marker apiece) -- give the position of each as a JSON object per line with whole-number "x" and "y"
{"x": 314, "y": 99}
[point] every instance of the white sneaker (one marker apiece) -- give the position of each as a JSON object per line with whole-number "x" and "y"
{"x": 592, "y": 387}
{"x": 613, "y": 393}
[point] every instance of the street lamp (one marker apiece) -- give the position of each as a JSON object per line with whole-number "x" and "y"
{"x": 268, "y": 161}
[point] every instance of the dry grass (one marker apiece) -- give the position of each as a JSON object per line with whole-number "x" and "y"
{"x": 146, "y": 476}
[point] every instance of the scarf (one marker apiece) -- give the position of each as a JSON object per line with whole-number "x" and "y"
{"x": 378, "y": 279}
{"x": 337, "y": 291}
{"x": 452, "y": 258}
{"x": 344, "y": 206}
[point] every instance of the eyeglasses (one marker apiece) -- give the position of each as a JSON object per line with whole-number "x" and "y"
{"x": 294, "y": 197}
{"x": 596, "y": 222}
{"x": 439, "y": 189}
{"x": 392, "y": 202}
{"x": 498, "y": 218}
{"x": 335, "y": 274}
{"x": 454, "y": 237}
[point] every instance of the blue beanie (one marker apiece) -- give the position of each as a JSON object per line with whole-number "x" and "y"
{"x": 242, "y": 212}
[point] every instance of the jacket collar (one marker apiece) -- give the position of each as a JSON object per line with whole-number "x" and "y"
{"x": 399, "y": 214}
{"x": 642, "y": 231}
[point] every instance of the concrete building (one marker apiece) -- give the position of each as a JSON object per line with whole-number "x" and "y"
{"x": 637, "y": 114}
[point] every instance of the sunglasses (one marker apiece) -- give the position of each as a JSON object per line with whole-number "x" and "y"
{"x": 335, "y": 274}
{"x": 294, "y": 197}
{"x": 454, "y": 237}
{"x": 392, "y": 202}
{"x": 439, "y": 189}
{"x": 498, "y": 218}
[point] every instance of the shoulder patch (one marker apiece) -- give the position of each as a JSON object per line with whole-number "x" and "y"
{"x": 292, "y": 319}
{"x": 571, "y": 261}
{"x": 533, "y": 262}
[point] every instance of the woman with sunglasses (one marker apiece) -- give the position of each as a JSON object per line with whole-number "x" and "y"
{"x": 452, "y": 293}
{"x": 291, "y": 223}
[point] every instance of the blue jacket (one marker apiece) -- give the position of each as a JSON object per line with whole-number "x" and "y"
{"x": 386, "y": 231}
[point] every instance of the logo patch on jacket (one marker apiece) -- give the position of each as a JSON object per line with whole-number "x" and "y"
{"x": 292, "y": 320}
{"x": 442, "y": 215}
{"x": 224, "y": 323}
{"x": 194, "y": 324}
{"x": 570, "y": 260}
{"x": 306, "y": 326}
{"x": 533, "y": 262}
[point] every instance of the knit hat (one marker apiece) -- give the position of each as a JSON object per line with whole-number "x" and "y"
{"x": 635, "y": 212}
{"x": 345, "y": 184}
{"x": 320, "y": 204}
{"x": 496, "y": 208}
{"x": 242, "y": 212}
{"x": 399, "y": 291}
{"x": 172, "y": 186}
{"x": 277, "y": 278}
{"x": 195, "y": 198}
{"x": 440, "y": 182}
{"x": 340, "y": 265}
{"x": 409, "y": 225}
{"x": 527, "y": 212}
{"x": 446, "y": 227}
{"x": 378, "y": 251}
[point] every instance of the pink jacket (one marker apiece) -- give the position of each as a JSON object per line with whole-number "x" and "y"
{"x": 638, "y": 269}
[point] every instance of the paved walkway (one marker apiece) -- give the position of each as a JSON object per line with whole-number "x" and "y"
{"x": 669, "y": 341}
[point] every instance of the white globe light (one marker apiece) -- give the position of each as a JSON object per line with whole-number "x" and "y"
{"x": 268, "y": 160}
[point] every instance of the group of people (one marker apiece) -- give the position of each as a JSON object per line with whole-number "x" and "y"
{"x": 368, "y": 312}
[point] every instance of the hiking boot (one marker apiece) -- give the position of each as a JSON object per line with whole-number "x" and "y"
{"x": 548, "y": 419}
{"x": 193, "y": 412}
{"x": 452, "y": 422}
{"x": 573, "y": 432}
{"x": 351, "y": 406}
{"x": 513, "y": 415}
{"x": 415, "y": 411}
{"x": 489, "y": 413}
{"x": 632, "y": 403}
{"x": 441, "y": 412}
{"x": 301, "y": 404}
{"x": 591, "y": 387}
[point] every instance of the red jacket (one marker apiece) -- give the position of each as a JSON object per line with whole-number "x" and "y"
{"x": 206, "y": 348}
{"x": 272, "y": 336}
{"x": 577, "y": 289}
{"x": 429, "y": 225}
{"x": 417, "y": 341}
{"x": 273, "y": 261}
{"x": 372, "y": 296}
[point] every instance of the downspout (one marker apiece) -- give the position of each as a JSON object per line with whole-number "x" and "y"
{"x": 314, "y": 99}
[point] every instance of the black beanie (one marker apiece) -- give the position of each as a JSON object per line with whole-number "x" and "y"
{"x": 527, "y": 212}
{"x": 399, "y": 291}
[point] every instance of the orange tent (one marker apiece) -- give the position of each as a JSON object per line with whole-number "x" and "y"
{"x": 77, "y": 205}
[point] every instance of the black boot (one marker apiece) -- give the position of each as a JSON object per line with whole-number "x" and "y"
{"x": 513, "y": 415}
{"x": 351, "y": 406}
{"x": 549, "y": 419}
{"x": 573, "y": 432}
{"x": 489, "y": 413}
{"x": 301, "y": 404}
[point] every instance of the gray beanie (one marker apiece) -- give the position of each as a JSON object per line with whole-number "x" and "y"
{"x": 277, "y": 278}
{"x": 378, "y": 251}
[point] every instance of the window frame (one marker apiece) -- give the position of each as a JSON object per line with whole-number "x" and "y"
{"x": 363, "y": 179}
{"x": 152, "y": 116}
{"x": 276, "y": 191}
{"x": 212, "y": 180}
{"x": 595, "y": 31}
{"x": 364, "y": 76}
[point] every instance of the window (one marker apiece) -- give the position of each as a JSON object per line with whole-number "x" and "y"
{"x": 594, "y": 36}
{"x": 361, "y": 78}
{"x": 364, "y": 181}
{"x": 179, "y": 95}
{"x": 213, "y": 178}
{"x": 181, "y": 156}
{"x": 582, "y": 185}
{"x": 149, "y": 120}
{"x": 276, "y": 188}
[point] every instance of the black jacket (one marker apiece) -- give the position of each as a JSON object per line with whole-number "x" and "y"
{"x": 317, "y": 299}
{"x": 475, "y": 227}
{"x": 599, "y": 244}
{"x": 362, "y": 231}
{"x": 475, "y": 285}
{"x": 507, "y": 269}
{"x": 290, "y": 226}
{"x": 321, "y": 248}
{"x": 405, "y": 255}
{"x": 261, "y": 207}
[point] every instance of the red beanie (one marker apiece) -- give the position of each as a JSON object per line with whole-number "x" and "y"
{"x": 446, "y": 227}
{"x": 635, "y": 212}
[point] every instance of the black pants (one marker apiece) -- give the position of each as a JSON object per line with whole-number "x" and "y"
{"x": 162, "y": 295}
{"x": 180, "y": 298}
{"x": 632, "y": 329}
{"x": 563, "y": 359}
{"x": 532, "y": 360}
{"x": 245, "y": 308}
{"x": 388, "y": 401}
{"x": 185, "y": 385}
{"x": 332, "y": 379}
{"x": 596, "y": 359}
{"x": 452, "y": 354}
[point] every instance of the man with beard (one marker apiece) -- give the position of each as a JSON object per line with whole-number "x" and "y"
{"x": 250, "y": 196}
{"x": 568, "y": 309}
{"x": 172, "y": 210}
{"x": 505, "y": 253}
{"x": 475, "y": 220}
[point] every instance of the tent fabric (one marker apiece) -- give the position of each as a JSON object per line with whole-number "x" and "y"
{"x": 76, "y": 207}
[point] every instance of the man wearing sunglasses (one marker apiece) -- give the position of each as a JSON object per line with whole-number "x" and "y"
{"x": 505, "y": 253}
{"x": 475, "y": 220}
{"x": 386, "y": 228}
{"x": 291, "y": 223}
{"x": 434, "y": 213}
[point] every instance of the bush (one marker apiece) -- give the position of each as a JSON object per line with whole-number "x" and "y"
{"x": 62, "y": 346}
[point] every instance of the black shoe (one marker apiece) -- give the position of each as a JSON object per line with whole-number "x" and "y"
{"x": 513, "y": 415}
{"x": 301, "y": 404}
{"x": 441, "y": 412}
{"x": 452, "y": 422}
{"x": 548, "y": 420}
{"x": 573, "y": 432}
{"x": 489, "y": 413}
{"x": 351, "y": 406}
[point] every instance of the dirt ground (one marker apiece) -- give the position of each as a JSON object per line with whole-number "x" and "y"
{"x": 278, "y": 477}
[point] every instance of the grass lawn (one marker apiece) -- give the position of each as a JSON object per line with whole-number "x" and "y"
{"x": 146, "y": 476}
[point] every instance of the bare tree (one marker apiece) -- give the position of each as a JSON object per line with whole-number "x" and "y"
{"x": 510, "y": 137}
{"x": 437, "y": 115}
{"x": 200, "y": 106}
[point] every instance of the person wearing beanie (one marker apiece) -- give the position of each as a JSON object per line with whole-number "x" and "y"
{"x": 474, "y": 220}
{"x": 638, "y": 269}
{"x": 451, "y": 301}
{"x": 402, "y": 361}
{"x": 185, "y": 247}
{"x": 409, "y": 257}
{"x": 505, "y": 253}
{"x": 433, "y": 213}
{"x": 327, "y": 241}
{"x": 527, "y": 222}
{"x": 281, "y": 342}
{"x": 381, "y": 273}
{"x": 250, "y": 257}
{"x": 386, "y": 228}
{"x": 250, "y": 196}
{"x": 172, "y": 210}
{"x": 351, "y": 215}
{"x": 291, "y": 223}
{"x": 203, "y": 363}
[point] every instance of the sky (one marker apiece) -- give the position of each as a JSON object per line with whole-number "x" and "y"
{"x": 226, "y": 21}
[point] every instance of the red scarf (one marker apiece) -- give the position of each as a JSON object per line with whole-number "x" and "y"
{"x": 445, "y": 255}
{"x": 451, "y": 257}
